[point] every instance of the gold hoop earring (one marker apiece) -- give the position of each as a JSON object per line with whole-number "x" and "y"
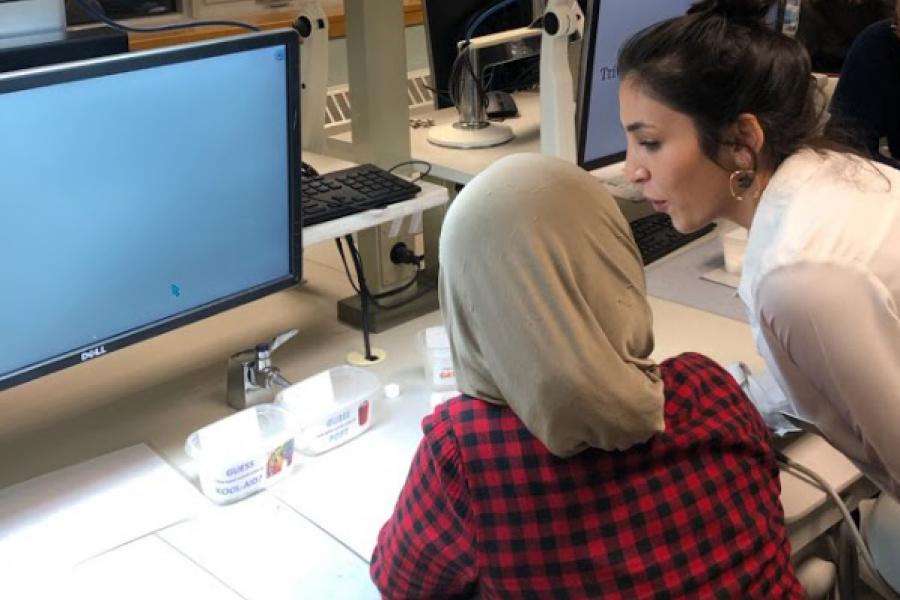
{"x": 739, "y": 182}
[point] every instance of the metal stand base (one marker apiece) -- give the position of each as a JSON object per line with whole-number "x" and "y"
{"x": 452, "y": 136}
{"x": 350, "y": 313}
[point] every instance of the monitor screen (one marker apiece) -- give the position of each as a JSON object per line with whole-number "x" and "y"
{"x": 447, "y": 23}
{"x": 144, "y": 191}
{"x": 601, "y": 140}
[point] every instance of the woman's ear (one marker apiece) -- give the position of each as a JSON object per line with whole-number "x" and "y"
{"x": 745, "y": 139}
{"x": 749, "y": 132}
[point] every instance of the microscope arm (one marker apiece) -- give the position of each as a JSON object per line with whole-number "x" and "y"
{"x": 563, "y": 20}
{"x": 312, "y": 26}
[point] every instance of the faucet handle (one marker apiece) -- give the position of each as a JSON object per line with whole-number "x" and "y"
{"x": 280, "y": 339}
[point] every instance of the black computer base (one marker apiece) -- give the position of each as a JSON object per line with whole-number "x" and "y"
{"x": 382, "y": 319}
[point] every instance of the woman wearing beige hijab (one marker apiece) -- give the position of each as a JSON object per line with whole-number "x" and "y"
{"x": 573, "y": 466}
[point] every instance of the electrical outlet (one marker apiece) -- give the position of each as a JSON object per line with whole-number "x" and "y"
{"x": 381, "y": 274}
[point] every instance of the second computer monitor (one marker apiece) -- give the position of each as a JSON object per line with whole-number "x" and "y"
{"x": 601, "y": 140}
{"x": 448, "y": 22}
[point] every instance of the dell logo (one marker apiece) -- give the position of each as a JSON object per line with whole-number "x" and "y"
{"x": 93, "y": 353}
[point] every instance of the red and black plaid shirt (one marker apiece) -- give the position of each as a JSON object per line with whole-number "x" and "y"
{"x": 692, "y": 513}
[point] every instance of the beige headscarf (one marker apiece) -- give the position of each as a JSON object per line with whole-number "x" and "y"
{"x": 542, "y": 291}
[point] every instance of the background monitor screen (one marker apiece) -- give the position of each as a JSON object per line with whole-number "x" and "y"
{"x": 142, "y": 192}
{"x": 601, "y": 140}
{"x": 446, "y": 24}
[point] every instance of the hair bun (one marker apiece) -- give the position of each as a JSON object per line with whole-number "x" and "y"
{"x": 736, "y": 10}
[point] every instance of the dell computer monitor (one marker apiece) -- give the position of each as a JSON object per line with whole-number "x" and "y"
{"x": 142, "y": 192}
{"x": 609, "y": 23}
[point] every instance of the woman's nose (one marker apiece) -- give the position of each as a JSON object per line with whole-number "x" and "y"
{"x": 636, "y": 174}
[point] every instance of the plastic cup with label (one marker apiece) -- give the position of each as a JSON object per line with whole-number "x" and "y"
{"x": 440, "y": 374}
{"x": 734, "y": 246}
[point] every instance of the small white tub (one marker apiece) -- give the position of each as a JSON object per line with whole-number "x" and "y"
{"x": 434, "y": 345}
{"x": 440, "y": 374}
{"x": 734, "y": 246}
{"x": 244, "y": 452}
{"x": 331, "y": 407}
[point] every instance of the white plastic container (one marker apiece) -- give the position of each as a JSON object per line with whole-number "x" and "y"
{"x": 244, "y": 452}
{"x": 734, "y": 245}
{"x": 331, "y": 407}
{"x": 440, "y": 374}
{"x": 435, "y": 347}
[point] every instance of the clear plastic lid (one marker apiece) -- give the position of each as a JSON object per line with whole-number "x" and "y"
{"x": 327, "y": 391}
{"x": 241, "y": 432}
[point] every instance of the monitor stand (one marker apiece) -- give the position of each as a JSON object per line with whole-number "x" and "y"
{"x": 463, "y": 135}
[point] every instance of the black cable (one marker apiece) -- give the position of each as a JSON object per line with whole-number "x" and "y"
{"x": 307, "y": 170}
{"x": 374, "y": 298}
{"x": 492, "y": 8}
{"x": 437, "y": 92}
{"x": 455, "y": 87}
{"x": 425, "y": 289}
{"x": 499, "y": 16}
{"x": 527, "y": 77}
{"x": 454, "y": 83}
{"x": 413, "y": 162}
{"x": 365, "y": 296}
{"x": 477, "y": 78}
{"x": 393, "y": 292}
{"x": 363, "y": 299}
{"x": 360, "y": 286}
{"x": 340, "y": 248}
{"x": 93, "y": 12}
{"x": 489, "y": 76}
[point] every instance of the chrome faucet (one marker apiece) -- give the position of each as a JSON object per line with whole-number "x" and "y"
{"x": 251, "y": 375}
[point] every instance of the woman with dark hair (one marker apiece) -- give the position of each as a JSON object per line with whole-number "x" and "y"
{"x": 574, "y": 466}
{"x": 867, "y": 97}
{"x": 721, "y": 118}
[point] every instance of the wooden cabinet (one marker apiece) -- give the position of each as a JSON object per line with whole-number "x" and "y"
{"x": 412, "y": 15}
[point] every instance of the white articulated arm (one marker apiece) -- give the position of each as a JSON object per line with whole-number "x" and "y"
{"x": 312, "y": 25}
{"x": 563, "y": 20}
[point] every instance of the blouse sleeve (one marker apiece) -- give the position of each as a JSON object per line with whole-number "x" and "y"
{"x": 833, "y": 332}
{"x": 427, "y": 547}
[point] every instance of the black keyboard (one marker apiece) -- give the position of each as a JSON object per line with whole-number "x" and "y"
{"x": 656, "y": 237}
{"x": 353, "y": 190}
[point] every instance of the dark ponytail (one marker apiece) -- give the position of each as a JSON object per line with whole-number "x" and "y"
{"x": 722, "y": 60}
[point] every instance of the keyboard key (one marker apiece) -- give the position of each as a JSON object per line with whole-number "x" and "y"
{"x": 349, "y": 191}
{"x": 656, "y": 236}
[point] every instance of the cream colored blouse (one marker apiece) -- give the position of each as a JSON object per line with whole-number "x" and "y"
{"x": 821, "y": 281}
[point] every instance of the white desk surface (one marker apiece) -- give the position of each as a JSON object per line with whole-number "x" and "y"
{"x": 460, "y": 166}
{"x": 310, "y": 535}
